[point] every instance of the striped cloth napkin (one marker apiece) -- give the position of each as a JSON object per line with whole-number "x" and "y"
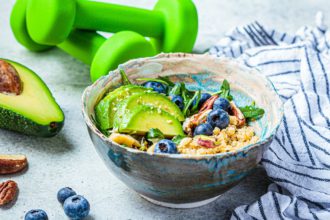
{"x": 298, "y": 161}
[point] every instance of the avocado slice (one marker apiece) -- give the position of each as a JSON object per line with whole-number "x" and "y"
{"x": 32, "y": 110}
{"x": 142, "y": 118}
{"x": 151, "y": 99}
{"x": 106, "y": 108}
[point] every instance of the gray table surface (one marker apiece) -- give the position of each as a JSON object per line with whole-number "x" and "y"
{"x": 69, "y": 159}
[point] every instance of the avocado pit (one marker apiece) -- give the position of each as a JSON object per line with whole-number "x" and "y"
{"x": 10, "y": 82}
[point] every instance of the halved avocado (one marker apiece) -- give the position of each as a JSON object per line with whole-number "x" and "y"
{"x": 32, "y": 110}
{"x": 106, "y": 108}
{"x": 142, "y": 118}
{"x": 151, "y": 99}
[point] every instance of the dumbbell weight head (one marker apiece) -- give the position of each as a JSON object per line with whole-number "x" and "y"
{"x": 18, "y": 26}
{"x": 180, "y": 26}
{"x": 119, "y": 48}
{"x": 50, "y": 21}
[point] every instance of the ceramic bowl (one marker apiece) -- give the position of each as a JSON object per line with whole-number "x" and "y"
{"x": 185, "y": 181}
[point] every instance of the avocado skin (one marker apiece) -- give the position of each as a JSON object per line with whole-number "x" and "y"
{"x": 15, "y": 122}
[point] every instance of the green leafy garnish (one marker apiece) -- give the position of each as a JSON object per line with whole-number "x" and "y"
{"x": 176, "y": 90}
{"x": 167, "y": 80}
{"x": 194, "y": 108}
{"x": 188, "y": 101}
{"x": 161, "y": 79}
{"x": 154, "y": 135}
{"x": 177, "y": 139}
{"x": 144, "y": 145}
{"x": 251, "y": 112}
{"x": 123, "y": 75}
{"x": 153, "y": 80}
{"x": 225, "y": 91}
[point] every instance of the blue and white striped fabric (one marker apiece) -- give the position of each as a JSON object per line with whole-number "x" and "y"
{"x": 298, "y": 161}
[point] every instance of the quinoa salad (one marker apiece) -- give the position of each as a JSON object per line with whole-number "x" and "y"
{"x": 160, "y": 116}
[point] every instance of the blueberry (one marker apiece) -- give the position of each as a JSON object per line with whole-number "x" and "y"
{"x": 221, "y": 103}
{"x": 165, "y": 146}
{"x": 76, "y": 207}
{"x": 65, "y": 193}
{"x": 36, "y": 214}
{"x": 156, "y": 86}
{"x": 204, "y": 97}
{"x": 218, "y": 118}
{"x": 203, "y": 129}
{"x": 178, "y": 100}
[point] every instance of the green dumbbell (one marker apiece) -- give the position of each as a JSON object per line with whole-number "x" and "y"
{"x": 172, "y": 24}
{"x": 93, "y": 49}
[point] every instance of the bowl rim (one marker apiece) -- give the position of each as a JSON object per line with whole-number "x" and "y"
{"x": 91, "y": 125}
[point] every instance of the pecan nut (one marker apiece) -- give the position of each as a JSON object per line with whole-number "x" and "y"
{"x": 12, "y": 163}
{"x": 10, "y": 82}
{"x": 208, "y": 104}
{"x": 8, "y": 192}
{"x": 238, "y": 114}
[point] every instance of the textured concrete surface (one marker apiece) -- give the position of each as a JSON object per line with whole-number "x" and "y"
{"x": 70, "y": 159}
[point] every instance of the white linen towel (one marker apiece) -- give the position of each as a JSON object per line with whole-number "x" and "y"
{"x": 298, "y": 161}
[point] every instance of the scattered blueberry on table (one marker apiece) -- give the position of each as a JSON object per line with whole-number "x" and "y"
{"x": 65, "y": 193}
{"x": 36, "y": 214}
{"x": 203, "y": 129}
{"x": 218, "y": 118}
{"x": 76, "y": 207}
{"x": 156, "y": 86}
{"x": 166, "y": 146}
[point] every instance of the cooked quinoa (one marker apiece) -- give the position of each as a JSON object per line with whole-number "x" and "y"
{"x": 223, "y": 140}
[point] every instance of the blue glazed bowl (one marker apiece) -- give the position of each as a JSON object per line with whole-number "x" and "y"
{"x": 183, "y": 181}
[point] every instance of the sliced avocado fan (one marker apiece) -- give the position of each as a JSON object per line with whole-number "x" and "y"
{"x": 106, "y": 108}
{"x": 142, "y": 118}
{"x": 153, "y": 99}
{"x": 26, "y": 104}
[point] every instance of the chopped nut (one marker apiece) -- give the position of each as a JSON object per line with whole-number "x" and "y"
{"x": 190, "y": 123}
{"x": 238, "y": 114}
{"x": 12, "y": 163}
{"x": 8, "y": 192}
{"x": 208, "y": 104}
{"x": 205, "y": 143}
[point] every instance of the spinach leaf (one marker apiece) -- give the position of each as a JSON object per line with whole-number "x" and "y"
{"x": 167, "y": 80}
{"x": 188, "y": 101}
{"x": 176, "y": 90}
{"x": 194, "y": 108}
{"x": 152, "y": 80}
{"x": 123, "y": 75}
{"x": 251, "y": 112}
{"x": 224, "y": 91}
{"x": 177, "y": 139}
{"x": 160, "y": 79}
{"x": 154, "y": 135}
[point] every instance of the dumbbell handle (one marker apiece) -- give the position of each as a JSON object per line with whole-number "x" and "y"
{"x": 109, "y": 17}
{"x": 82, "y": 45}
